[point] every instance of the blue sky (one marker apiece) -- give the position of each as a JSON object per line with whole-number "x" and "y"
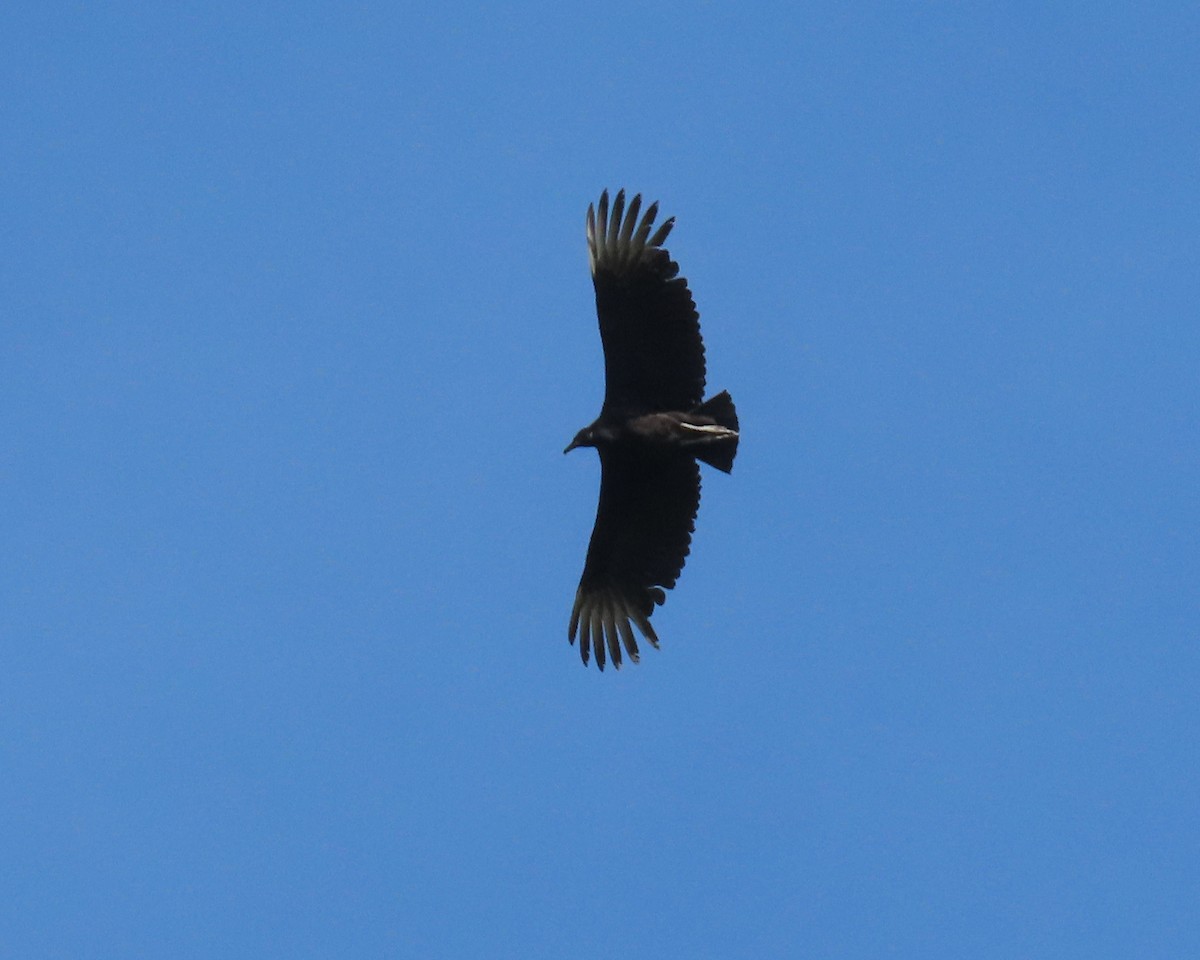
{"x": 296, "y": 323}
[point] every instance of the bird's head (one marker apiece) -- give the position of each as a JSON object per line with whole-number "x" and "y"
{"x": 584, "y": 438}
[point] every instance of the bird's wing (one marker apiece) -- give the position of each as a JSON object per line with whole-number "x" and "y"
{"x": 643, "y": 530}
{"x": 653, "y": 353}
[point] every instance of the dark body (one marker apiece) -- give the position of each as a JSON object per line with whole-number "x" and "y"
{"x": 652, "y": 429}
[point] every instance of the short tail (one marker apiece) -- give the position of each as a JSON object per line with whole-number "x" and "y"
{"x": 719, "y": 453}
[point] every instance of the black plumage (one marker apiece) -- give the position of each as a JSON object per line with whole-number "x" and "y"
{"x": 652, "y": 429}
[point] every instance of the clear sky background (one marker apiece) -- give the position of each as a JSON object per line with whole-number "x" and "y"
{"x": 296, "y": 322}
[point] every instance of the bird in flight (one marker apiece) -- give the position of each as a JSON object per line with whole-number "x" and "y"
{"x": 653, "y": 428}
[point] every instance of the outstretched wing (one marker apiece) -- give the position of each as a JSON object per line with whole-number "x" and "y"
{"x": 643, "y": 530}
{"x": 653, "y": 353}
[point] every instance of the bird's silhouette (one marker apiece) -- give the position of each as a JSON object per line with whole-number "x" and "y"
{"x": 653, "y": 428}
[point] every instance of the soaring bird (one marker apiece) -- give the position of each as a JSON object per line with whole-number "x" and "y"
{"x": 652, "y": 429}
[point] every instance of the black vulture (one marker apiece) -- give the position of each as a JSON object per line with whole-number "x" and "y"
{"x": 651, "y": 430}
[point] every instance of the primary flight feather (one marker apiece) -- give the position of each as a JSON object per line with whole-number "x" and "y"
{"x": 652, "y": 429}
